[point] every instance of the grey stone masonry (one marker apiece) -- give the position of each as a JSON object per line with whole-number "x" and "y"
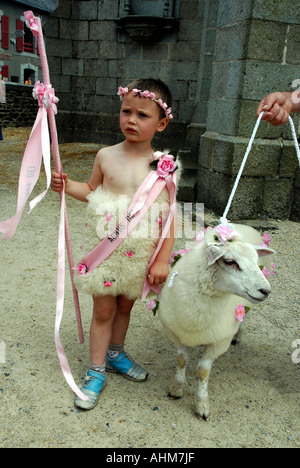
{"x": 255, "y": 54}
{"x": 219, "y": 58}
{"x": 20, "y": 109}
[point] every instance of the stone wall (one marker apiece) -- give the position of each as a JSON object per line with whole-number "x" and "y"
{"x": 20, "y": 109}
{"x": 222, "y": 59}
{"x": 89, "y": 60}
{"x": 256, "y": 52}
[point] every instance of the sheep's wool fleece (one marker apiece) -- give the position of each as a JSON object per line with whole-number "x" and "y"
{"x": 124, "y": 271}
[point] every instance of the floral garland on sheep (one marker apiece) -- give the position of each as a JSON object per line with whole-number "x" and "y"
{"x": 223, "y": 234}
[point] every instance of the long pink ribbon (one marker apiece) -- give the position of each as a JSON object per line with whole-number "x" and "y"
{"x": 60, "y": 304}
{"x": 38, "y": 147}
{"x": 145, "y": 196}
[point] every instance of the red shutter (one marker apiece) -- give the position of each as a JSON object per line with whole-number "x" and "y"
{"x": 20, "y": 40}
{"x": 5, "y": 31}
{"x": 5, "y": 73}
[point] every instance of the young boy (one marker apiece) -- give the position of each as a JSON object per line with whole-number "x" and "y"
{"x": 115, "y": 285}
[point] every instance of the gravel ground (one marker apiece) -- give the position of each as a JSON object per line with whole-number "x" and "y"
{"x": 254, "y": 388}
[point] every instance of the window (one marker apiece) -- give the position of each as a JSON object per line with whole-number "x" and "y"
{"x": 28, "y": 41}
{"x": 5, "y": 31}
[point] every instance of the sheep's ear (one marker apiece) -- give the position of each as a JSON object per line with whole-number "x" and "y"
{"x": 264, "y": 251}
{"x": 214, "y": 253}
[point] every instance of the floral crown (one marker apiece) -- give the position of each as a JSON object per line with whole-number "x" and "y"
{"x": 147, "y": 94}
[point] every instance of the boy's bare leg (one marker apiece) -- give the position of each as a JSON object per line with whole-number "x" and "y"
{"x": 117, "y": 360}
{"x": 104, "y": 313}
{"x": 121, "y": 320}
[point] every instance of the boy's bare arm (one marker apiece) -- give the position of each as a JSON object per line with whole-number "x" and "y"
{"x": 79, "y": 190}
{"x": 160, "y": 268}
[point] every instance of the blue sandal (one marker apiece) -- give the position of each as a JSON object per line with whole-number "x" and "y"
{"x": 127, "y": 367}
{"x": 92, "y": 387}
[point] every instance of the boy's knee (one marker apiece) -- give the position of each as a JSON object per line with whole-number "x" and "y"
{"x": 104, "y": 314}
{"x": 104, "y": 311}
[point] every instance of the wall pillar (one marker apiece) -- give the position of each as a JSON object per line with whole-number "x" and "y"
{"x": 255, "y": 54}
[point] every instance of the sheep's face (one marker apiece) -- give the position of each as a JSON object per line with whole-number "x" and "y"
{"x": 237, "y": 271}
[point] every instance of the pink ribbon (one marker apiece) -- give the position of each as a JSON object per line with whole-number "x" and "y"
{"x": 60, "y": 304}
{"x": 32, "y": 23}
{"x": 145, "y": 196}
{"x": 38, "y": 148}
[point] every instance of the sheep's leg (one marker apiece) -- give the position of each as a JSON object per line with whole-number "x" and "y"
{"x": 179, "y": 380}
{"x": 212, "y": 352}
{"x": 238, "y": 336}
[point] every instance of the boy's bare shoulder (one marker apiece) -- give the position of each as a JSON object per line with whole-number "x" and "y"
{"x": 107, "y": 152}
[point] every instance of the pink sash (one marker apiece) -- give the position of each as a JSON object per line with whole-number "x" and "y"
{"x": 145, "y": 196}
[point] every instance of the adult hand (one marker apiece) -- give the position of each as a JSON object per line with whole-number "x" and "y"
{"x": 277, "y": 107}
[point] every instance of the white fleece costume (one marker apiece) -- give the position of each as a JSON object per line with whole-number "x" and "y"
{"x": 124, "y": 271}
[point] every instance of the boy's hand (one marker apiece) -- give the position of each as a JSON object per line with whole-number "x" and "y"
{"x": 158, "y": 273}
{"x": 57, "y": 181}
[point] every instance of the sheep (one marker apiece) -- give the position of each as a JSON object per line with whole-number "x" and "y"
{"x": 203, "y": 293}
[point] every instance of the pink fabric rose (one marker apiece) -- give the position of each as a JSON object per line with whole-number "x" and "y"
{"x": 240, "y": 313}
{"x": 38, "y": 92}
{"x": 82, "y": 269}
{"x": 225, "y": 233}
{"x": 266, "y": 239}
{"x": 165, "y": 165}
{"x": 265, "y": 272}
{"x": 151, "y": 305}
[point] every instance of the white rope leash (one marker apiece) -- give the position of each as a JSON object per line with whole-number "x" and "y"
{"x": 224, "y": 220}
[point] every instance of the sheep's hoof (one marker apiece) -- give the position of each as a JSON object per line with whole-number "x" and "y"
{"x": 173, "y": 397}
{"x": 203, "y": 417}
{"x": 203, "y": 411}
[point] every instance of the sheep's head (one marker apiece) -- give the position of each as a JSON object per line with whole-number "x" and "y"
{"x": 237, "y": 271}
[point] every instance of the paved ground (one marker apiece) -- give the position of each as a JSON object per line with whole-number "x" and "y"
{"x": 254, "y": 388}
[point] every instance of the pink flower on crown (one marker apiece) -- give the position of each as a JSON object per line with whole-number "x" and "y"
{"x": 135, "y": 91}
{"x": 266, "y": 239}
{"x": 225, "y": 233}
{"x": 199, "y": 236}
{"x": 122, "y": 92}
{"x": 145, "y": 94}
{"x": 265, "y": 272}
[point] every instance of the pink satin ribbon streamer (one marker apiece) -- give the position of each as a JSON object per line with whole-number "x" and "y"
{"x": 38, "y": 147}
{"x": 145, "y": 196}
{"x": 60, "y": 304}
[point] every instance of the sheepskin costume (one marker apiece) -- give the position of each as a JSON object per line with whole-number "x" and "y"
{"x": 124, "y": 271}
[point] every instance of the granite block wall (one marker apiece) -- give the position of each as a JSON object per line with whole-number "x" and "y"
{"x": 219, "y": 61}
{"x": 254, "y": 55}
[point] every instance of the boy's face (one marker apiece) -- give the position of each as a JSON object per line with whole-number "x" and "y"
{"x": 140, "y": 118}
